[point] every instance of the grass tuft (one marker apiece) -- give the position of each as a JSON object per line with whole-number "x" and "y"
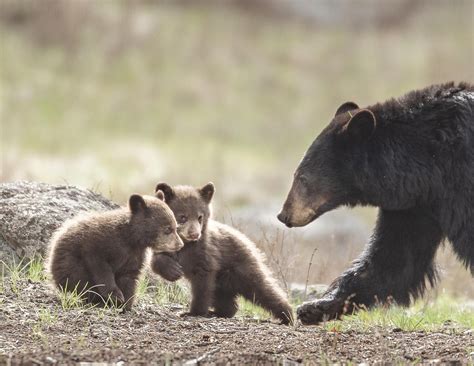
{"x": 249, "y": 309}
{"x": 142, "y": 287}
{"x": 442, "y": 313}
{"x": 170, "y": 293}
{"x": 71, "y": 299}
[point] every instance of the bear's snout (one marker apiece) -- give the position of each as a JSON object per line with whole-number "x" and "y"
{"x": 284, "y": 219}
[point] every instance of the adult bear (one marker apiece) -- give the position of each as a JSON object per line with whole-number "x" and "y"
{"x": 413, "y": 157}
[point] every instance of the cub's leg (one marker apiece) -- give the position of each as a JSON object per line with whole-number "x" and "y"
{"x": 77, "y": 280}
{"x": 394, "y": 265}
{"x": 127, "y": 283}
{"x": 202, "y": 288}
{"x": 167, "y": 266}
{"x": 103, "y": 279}
{"x": 225, "y": 303}
{"x": 265, "y": 294}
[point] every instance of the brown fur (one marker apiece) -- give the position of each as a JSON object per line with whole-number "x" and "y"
{"x": 101, "y": 254}
{"x": 221, "y": 264}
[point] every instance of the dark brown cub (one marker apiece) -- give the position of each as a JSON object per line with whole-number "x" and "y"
{"x": 220, "y": 262}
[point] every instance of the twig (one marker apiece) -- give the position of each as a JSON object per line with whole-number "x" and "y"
{"x": 196, "y": 361}
{"x": 271, "y": 245}
{"x": 307, "y": 275}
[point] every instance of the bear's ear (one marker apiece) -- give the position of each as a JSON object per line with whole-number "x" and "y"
{"x": 166, "y": 190}
{"x": 136, "y": 203}
{"x": 361, "y": 125}
{"x": 207, "y": 192}
{"x": 160, "y": 195}
{"x": 346, "y": 107}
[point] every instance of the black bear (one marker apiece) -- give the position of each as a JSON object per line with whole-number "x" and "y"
{"x": 100, "y": 255}
{"x": 220, "y": 262}
{"x": 413, "y": 157}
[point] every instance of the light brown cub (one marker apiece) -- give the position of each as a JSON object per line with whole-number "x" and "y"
{"x": 101, "y": 255}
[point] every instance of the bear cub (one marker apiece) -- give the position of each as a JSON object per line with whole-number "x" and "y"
{"x": 101, "y": 255}
{"x": 220, "y": 262}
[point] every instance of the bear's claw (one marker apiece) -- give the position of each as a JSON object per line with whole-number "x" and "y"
{"x": 315, "y": 312}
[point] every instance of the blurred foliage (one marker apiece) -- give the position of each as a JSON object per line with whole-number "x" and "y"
{"x": 117, "y": 96}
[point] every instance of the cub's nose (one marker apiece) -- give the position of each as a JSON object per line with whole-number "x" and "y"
{"x": 179, "y": 243}
{"x": 194, "y": 236}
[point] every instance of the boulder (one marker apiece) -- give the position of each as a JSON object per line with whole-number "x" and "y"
{"x": 30, "y": 212}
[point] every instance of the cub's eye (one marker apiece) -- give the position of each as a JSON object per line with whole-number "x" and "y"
{"x": 182, "y": 219}
{"x": 200, "y": 218}
{"x": 168, "y": 230}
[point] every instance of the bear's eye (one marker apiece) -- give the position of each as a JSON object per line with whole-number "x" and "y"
{"x": 200, "y": 219}
{"x": 303, "y": 179}
{"x": 168, "y": 230}
{"x": 182, "y": 219}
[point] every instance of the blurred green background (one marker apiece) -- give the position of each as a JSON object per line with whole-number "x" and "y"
{"x": 118, "y": 95}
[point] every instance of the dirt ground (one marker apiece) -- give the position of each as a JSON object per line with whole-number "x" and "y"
{"x": 35, "y": 330}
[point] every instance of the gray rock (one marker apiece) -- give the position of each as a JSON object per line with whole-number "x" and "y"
{"x": 30, "y": 212}
{"x": 313, "y": 292}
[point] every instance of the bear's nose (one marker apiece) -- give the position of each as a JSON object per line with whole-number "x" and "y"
{"x": 281, "y": 217}
{"x": 284, "y": 219}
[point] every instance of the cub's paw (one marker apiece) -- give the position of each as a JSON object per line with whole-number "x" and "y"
{"x": 173, "y": 272}
{"x": 315, "y": 312}
{"x": 114, "y": 298}
{"x": 167, "y": 267}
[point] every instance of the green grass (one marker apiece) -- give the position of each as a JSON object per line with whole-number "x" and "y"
{"x": 249, "y": 309}
{"x": 47, "y": 316}
{"x": 170, "y": 293}
{"x": 443, "y": 313}
{"x": 142, "y": 287}
{"x": 71, "y": 299}
{"x": 13, "y": 272}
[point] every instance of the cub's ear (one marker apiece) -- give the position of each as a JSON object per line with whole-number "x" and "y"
{"x": 136, "y": 203}
{"x": 160, "y": 195}
{"x": 346, "y": 107}
{"x": 166, "y": 190}
{"x": 361, "y": 125}
{"x": 207, "y": 192}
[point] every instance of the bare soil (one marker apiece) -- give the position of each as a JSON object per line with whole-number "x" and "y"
{"x": 35, "y": 330}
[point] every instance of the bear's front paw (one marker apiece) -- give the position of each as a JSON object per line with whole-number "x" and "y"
{"x": 315, "y": 312}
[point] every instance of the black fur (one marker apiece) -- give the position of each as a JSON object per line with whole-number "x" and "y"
{"x": 412, "y": 157}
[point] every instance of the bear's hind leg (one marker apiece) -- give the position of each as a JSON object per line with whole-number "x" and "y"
{"x": 463, "y": 246}
{"x": 394, "y": 265}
